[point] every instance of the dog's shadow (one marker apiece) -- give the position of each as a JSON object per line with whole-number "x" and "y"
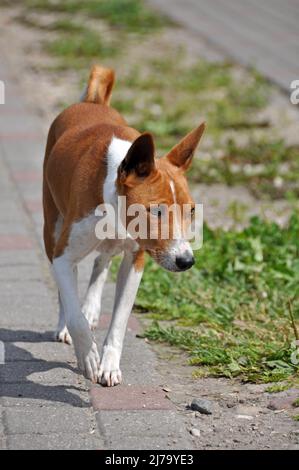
{"x": 14, "y": 381}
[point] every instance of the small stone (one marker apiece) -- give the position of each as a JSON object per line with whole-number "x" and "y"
{"x": 230, "y": 404}
{"x": 166, "y": 389}
{"x": 244, "y": 417}
{"x": 201, "y": 405}
{"x": 195, "y": 432}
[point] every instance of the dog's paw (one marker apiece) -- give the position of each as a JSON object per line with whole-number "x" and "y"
{"x": 63, "y": 336}
{"x": 91, "y": 316}
{"x": 89, "y": 363}
{"x": 110, "y": 373}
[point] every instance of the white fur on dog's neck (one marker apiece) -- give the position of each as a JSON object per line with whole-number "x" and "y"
{"x": 117, "y": 151}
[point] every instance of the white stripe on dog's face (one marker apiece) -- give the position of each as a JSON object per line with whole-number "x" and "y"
{"x": 177, "y": 254}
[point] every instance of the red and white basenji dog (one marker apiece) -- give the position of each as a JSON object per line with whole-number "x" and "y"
{"x": 92, "y": 157}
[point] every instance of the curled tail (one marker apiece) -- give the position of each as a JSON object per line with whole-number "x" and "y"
{"x": 99, "y": 87}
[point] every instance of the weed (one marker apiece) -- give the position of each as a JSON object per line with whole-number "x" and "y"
{"x": 277, "y": 388}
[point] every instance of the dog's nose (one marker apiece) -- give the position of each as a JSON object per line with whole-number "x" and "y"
{"x": 184, "y": 261}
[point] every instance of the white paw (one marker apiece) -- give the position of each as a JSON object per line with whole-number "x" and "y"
{"x": 91, "y": 316}
{"x": 110, "y": 373}
{"x": 89, "y": 363}
{"x": 63, "y": 336}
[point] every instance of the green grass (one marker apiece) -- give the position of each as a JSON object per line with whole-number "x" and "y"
{"x": 230, "y": 311}
{"x": 268, "y": 168}
{"x": 276, "y": 388}
{"x": 296, "y": 403}
{"x": 130, "y": 15}
{"x": 204, "y": 89}
{"x": 86, "y": 46}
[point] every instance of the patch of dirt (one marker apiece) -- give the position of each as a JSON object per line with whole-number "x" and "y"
{"x": 241, "y": 418}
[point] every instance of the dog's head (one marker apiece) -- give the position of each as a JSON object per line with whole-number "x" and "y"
{"x": 161, "y": 189}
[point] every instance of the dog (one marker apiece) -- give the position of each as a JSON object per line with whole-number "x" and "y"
{"x": 93, "y": 157}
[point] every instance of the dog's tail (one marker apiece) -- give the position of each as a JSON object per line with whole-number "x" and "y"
{"x": 99, "y": 87}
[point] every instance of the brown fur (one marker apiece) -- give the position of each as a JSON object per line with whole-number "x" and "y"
{"x": 75, "y": 167}
{"x": 100, "y": 85}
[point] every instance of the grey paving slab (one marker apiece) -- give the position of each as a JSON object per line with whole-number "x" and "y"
{"x": 3, "y": 443}
{"x": 10, "y": 225}
{"x": 21, "y": 123}
{"x": 28, "y": 394}
{"x": 47, "y": 420}
{"x": 35, "y": 288}
{"x": 19, "y": 258}
{"x": 26, "y": 316}
{"x": 146, "y": 430}
{"x": 42, "y": 372}
{"x": 30, "y": 273}
{"x": 42, "y": 351}
{"x": 37, "y": 335}
{"x": 57, "y": 441}
{"x": 261, "y": 34}
{"x": 24, "y": 156}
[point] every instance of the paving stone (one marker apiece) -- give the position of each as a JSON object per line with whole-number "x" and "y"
{"x": 33, "y": 205}
{"x": 122, "y": 430}
{"x": 26, "y": 312}
{"x": 27, "y": 176}
{"x": 20, "y": 335}
{"x": 35, "y": 288}
{"x": 2, "y": 443}
{"x": 15, "y": 242}
{"x": 133, "y": 323}
{"x": 43, "y": 372}
{"x": 43, "y": 351}
{"x": 57, "y": 441}
{"x": 126, "y": 397}
{"x": 47, "y": 420}
{"x": 10, "y": 273}
{"x": 19, "y": 258}
{"x": 261, "y": 39}
{"x": 28, "y": 394}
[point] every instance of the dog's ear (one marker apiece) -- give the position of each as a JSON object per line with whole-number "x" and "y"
{"x": 181, "y": 154}
{"x": 139, "y": 160}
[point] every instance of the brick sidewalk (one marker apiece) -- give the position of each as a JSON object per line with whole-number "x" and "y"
{"x": 44, "y": 402}
{"x": 263, "y": 34}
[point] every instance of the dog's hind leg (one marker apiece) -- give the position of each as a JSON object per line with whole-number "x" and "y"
{"x": 92, "y": 303}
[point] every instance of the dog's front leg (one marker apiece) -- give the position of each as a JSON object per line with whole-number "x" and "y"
{"x": 127, "y": 284}
{"x": 85, "y": 347}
